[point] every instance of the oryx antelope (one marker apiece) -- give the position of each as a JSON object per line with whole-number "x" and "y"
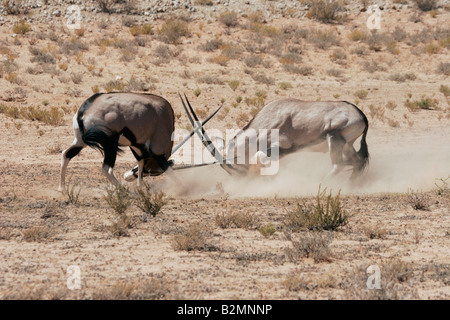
{"x": 324, "y": 125}
{"x": 106, "y": 121}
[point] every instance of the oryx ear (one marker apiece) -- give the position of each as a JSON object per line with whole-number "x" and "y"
{"x": 219, "y": 143}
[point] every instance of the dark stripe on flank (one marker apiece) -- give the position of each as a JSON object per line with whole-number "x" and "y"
{"x": 86, "y": 104}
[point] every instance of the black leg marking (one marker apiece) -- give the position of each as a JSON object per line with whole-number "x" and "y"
{"x": 129, "y": 135}
{"x": 110, "y": 149}
{"x": 72, "y": 152}
{"x": 162, "y": 162}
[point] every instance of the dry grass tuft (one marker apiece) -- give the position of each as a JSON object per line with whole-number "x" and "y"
{"x": 194, "y": 237}
{"x": 150, "y": 202}
{"x": 325, "y": 213}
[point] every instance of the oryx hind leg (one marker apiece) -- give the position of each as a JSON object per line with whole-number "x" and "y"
{"x": 110, "y": 155}
{"x": 66, "y": 156}
{"x": 336, "y": 145}
{"x": 69, "y": 153}
{"x": 351, "y": 158}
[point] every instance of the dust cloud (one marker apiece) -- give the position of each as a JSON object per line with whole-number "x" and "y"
{"x": 392, "y": 168}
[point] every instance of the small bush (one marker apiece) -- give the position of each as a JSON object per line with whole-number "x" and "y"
{"x": 357, "y": 35}
{"x": 425, "y": 103}
{"x": 236, "y": 220}
{"x": 419, "y": 200}
{"x": 211, "y": 45}
{"x": 38, "y": 233}
{"x": 229, "y": 18}
{"x": 432, "y": 48}
{"x": 309, "y": 245}
{"x": 145, "y": 29}
{"x": 80, "y": 32}
{"x": 148, "y": 201}
{"x": 324, "y": 11}
{"x": 234, "y": 84}
{"x": 118, "y": 198}
{"x": 326, "y": 213}
{"x": 155, "y": 288}
{"x": 193, "y": 237}
{"x": 361, "y": 94}
{"x": 442, "y": 186}
{"x": 426, "y": 5}
{"x": 377, "y": 232}
{"x": 444, "y": 68}
{"x": 445, "y": 90}
{"x": 220, "y": 59}
{"x": 204, "y": 2}
{"x": 375, "y": 41}
{"x": 72, "y": 192}
{"x": 402, "y": 77}
{"x": 334, "y": 72}
{"x": 372, "y": 66}
{"x": 285, "y": 85}
{"x": 21, "y": 27}
{"x": 113, "y": 85}
{"x": 267, "y": 230}
{"x": 171, "y": 31}
{"x": 253, "y": 61}
{"x": 324, "y": 39}
{"x": 262, "y": 78}
{"x": 41, "y": 56}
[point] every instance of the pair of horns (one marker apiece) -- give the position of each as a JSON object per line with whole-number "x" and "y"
{"x": 197, "y": 126}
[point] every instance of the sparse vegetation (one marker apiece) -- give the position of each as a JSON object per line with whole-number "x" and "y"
{"x": 37, "y": 233}
{"x": 361, "y": 94}
{"x": 325, "y": 213}
{"x": 150, "y": 202}
{"x": 425, "y": 103}
{"x": 324, "y": 11}
{"x": 267, "y": 230}
{"x": 445, "y": 90}
{"x": 53, "y": 117}
{"x": 258, "y": 228}
{"x": 309, "y": 244}
{"x": 171, "y": 31}
{"x": 444, "y": 68}
{"x": 426, "y": 5}
{"x": 21, "y": 27}
{"x": 193, "y": 237}
{"x": 419, "y": 200}
{"x": 229, "y": 18}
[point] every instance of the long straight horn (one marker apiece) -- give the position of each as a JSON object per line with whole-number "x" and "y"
{"x": 203, "y": 136}
{"x": 178, "y": 146}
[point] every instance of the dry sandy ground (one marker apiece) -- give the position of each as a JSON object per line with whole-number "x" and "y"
{"x": 42, "y": 233}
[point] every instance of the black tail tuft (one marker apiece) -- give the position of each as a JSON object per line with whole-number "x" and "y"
{"x": 101, "y": 138}
{"x": 363, "y": 152}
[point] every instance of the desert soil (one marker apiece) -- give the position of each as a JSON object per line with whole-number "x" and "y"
{"x": 43, "y": 233}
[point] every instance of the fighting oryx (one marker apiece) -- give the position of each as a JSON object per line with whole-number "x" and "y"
{"x": 322, "y": 126}
{"x": 106, "y": 121}
{"x": 144, "y": 122}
